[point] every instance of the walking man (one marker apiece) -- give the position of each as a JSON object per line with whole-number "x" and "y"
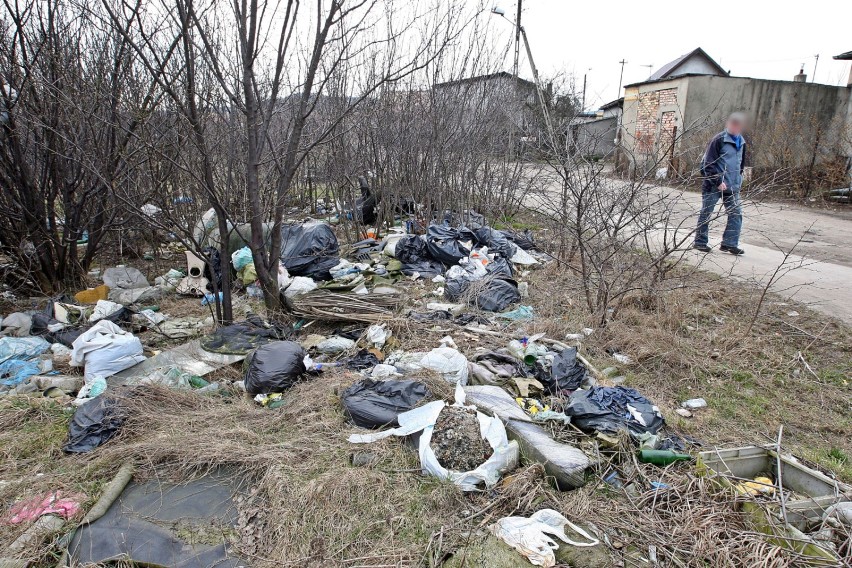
{"x": 722, "y": 170}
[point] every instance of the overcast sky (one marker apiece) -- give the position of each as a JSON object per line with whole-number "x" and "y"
{"x": 751, "y": 38}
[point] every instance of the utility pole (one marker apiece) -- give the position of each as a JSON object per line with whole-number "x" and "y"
{"x": 518, "y": 39}
{"x": 816, "y": 60}
{"x": 620, "y": 77}
{"x": 583, "y": 105}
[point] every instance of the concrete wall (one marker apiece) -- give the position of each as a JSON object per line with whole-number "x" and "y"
{"x": 792, "y": 123}
{"x": 595, "y": 138}
{"x": 787, "y": 118}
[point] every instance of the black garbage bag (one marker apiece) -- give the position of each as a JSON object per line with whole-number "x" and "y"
{"x": 497, "y": 295}
{"x": 373, "y": 404}
{"x": 309, "y": 249}
{"x": 367, "y": 202}
{"x": 67, "y": 334}
{"x": 411, "y": 248}
{"x": 444, "y": 243}
{"x": 241, "y": 337}
{"x": 567, "y": 373}
{"x": 362, "y": 360}
{"x": 212, "y": 268}
{"x": 496, "y": 242}
{"x": 412, "y": 252}
{"x": 425, "y": 268}
{"x": 274, "y": 367}
{"x": 605, "y": 409}
{"x": 500, "y": 266}
{"x": 523, "y": 240}
{"x": 94, "y": 423}
{"x": 492, "y": 295}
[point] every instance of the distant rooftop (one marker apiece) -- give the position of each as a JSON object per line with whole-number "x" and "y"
{"x": 490, "y": 76}
{"x": 670, "y": 69}
{"x": 844, "y": 56}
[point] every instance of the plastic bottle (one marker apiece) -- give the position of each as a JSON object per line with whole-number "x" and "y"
{"x": 662, "y": 457}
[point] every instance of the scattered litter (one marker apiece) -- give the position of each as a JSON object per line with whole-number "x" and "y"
{"x": 364, "y": 359}
{"x": 124, "y": 277}
{"x": 378, "y": 334}
{"x": 53, "y": 503}
{"x": 422, "y": 419}
{"x": 16, "y": 324}
{"x": 793, "y": 313}
{"x": 22, "y": 347}
{"x": 309, "y": 249}
{"x": 104, "y": 309}
{"x": 454, "y": 309}
{"x": 694, "y": 403}
{"x": 683, "y": 412}
{"x": 334, "y": 345}
{"x": 447, "y": 362}
{"x": 621, "y": 358}
{"x": 521, "y": 313}
{"x": 529, "y": 536}
{"x": 92, "y": 295}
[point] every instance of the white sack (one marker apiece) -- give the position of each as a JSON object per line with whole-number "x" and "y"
{"x": 504, "y": 458}
{"x": 104, "y": 350}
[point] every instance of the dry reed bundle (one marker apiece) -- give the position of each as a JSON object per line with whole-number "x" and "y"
{"x": 346, "y": 306}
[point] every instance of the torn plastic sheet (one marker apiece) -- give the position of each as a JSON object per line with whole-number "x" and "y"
{"x": 504, "y": 458}
{"x": 609, "y": 409}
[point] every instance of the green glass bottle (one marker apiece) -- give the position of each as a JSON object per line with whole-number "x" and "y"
{"x": 662, "y": 457}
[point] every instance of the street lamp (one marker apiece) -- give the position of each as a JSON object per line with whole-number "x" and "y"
{"x": 521, "y": 32}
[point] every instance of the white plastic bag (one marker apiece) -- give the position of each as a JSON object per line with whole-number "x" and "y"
{"x": 529, "y": 536}
{"x": 523, "y": 258}
{"x": 104, "y": 350}
{"x": 448, "y": 363}
{"x": 104, "y": 308}
{"x": 378, "y": 334}
{"x": 334, "y": 345}
{"x": 504, "y": 458}
{"x": 300, "y": 285}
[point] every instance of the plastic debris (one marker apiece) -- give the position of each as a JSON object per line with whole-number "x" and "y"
{"x": 504, "y": 455}
{"x": 16, "y": 324}
{"x": 93, "y": 424}
{"x": 529, "y": 536}
{"x": 334, "y": 345}
{"x": 609, "y": 409}
{"x": 521, "y": 313}
{"x": 447, "y": 362}
{"x": 378, "y": 334}
{"x": 53, "y": 503}
{"x": 694, "y": 403}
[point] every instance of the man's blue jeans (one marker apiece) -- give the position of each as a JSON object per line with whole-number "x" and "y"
{"x": 733, "y": 209}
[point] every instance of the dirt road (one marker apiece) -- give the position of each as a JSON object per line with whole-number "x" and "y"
{"x": 821, "y": 263}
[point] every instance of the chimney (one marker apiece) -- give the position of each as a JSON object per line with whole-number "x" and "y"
{"x": 801, "y": 77}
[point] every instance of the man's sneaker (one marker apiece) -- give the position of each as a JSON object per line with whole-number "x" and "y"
{"x": 733, "y": 250}
{"x": 702, "y": 248}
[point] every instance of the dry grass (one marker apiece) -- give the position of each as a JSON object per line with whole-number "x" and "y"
{"x": 692, "y": 342}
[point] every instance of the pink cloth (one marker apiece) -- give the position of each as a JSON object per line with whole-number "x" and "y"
{"x": 53, "y": 503}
